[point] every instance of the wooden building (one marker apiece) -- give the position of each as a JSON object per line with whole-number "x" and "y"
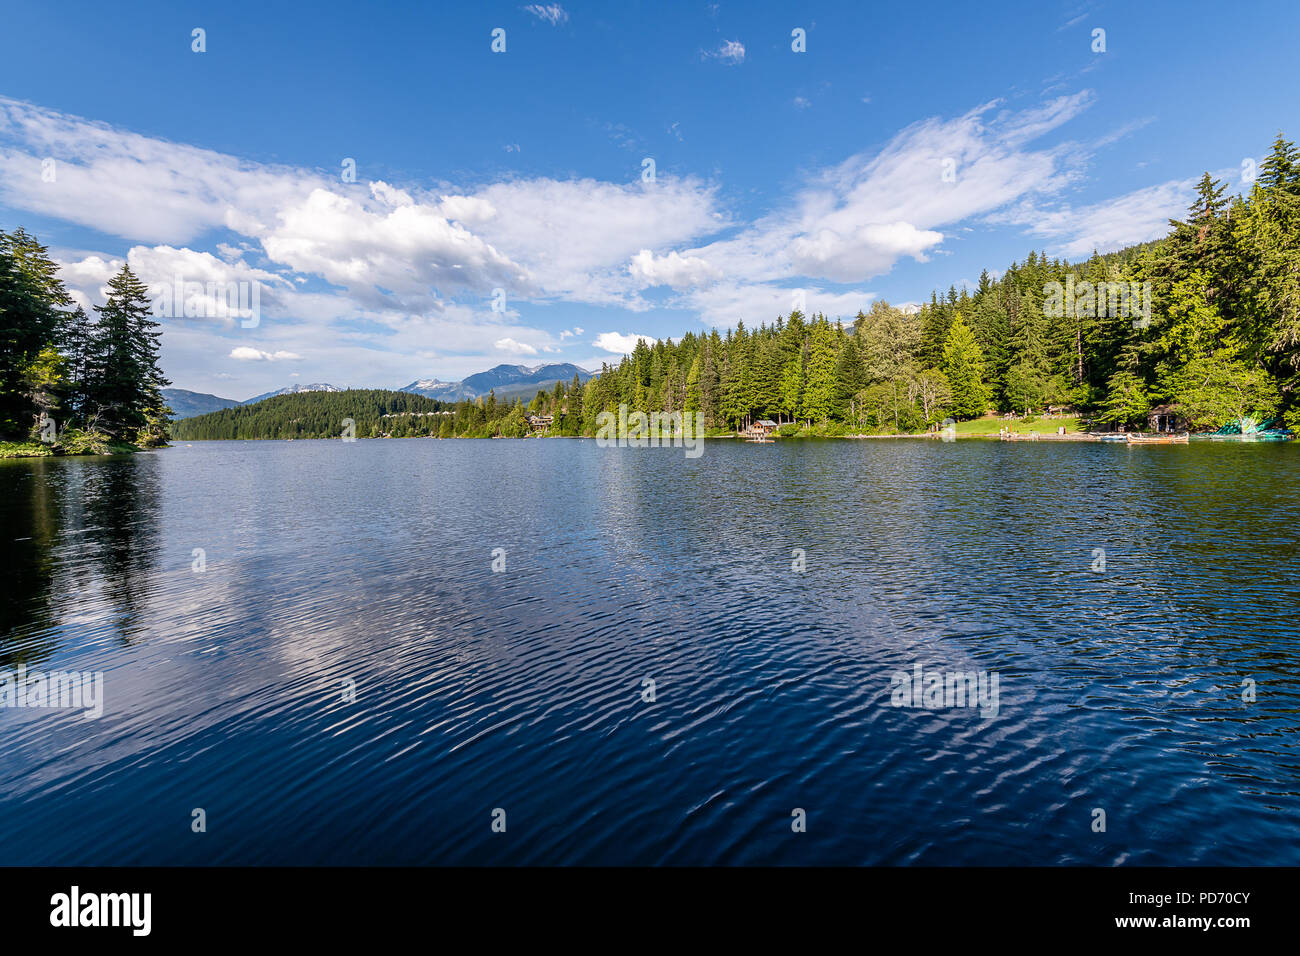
{"x": 1163, "y": 418}
{"x": 539, "y": 425}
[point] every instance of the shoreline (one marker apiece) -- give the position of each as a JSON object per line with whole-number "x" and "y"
{"x": 29, "y": 449}
{"x": 934, "y": 436}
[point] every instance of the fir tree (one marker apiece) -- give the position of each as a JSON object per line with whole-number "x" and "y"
{"x": 963, "y": 367}
{"x": 127, "y": 382}
{"x": 819, "y": 393}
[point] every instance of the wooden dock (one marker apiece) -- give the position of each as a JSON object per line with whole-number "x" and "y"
{"x": 1047, "y": 436}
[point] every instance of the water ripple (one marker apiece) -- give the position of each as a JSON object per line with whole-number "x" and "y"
{"x": 348, "y": 681}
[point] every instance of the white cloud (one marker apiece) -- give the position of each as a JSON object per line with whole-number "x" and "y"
{"x": 725, "y": 304}
{"x": 244, "y": 353}
{"x": 1106, "y": 226}
{"x": 730, "y": 52}
{"x": 855, "y": 220}
{"x": 228, "y": 251}
{"x": 173, "y": 273}
{"x": 132, "y": 186}
{"x": 513, "y": 347}
{"x": 858, "y": 218}
{"x": 86, "y": 279}
{"x": 577, "y": 235}
{"x": 673, "y": 270}
{"x": 860, "y": 251}
{"x": 406, "y": 248}
{"x": 394, "y": 247}
{"x": 197, "y": 284}
{"x": 618, "y": 343}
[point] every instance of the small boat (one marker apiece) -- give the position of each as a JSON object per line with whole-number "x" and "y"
{"x": 1135, "y": 438}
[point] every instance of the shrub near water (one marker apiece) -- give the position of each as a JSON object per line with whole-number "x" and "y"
{"x": 24, "y": 449}
{"x": 74, "y": 441}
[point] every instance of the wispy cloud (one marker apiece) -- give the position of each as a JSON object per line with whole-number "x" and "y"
{"x": 855, "y": 220}
{"x": 552, "y": 13}
{"x": 1074, "y": 16}
{"x": 731, "y": 52}
{"x": 1138, "y": 216}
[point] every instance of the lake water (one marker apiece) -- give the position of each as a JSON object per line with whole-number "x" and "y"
{"x": 329, "y": 566}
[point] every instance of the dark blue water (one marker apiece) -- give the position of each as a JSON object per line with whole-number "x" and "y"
{"x": 371, "y": 562}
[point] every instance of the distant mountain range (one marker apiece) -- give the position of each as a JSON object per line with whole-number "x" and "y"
{"x": 187, "y": 404}
{"x": 294, "y": 390}
{"x": 508, "y": 382}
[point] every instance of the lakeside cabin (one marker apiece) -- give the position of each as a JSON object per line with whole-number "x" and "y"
{"x": 539, "y": 425}
{"x": 1164, "y": 418}
{"x": 760, "y": 430}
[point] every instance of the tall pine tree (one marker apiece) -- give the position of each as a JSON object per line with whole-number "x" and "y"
{"x": 127, "y": 383}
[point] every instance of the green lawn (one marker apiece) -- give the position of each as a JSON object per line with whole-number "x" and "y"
{"x": 990, "y": 426}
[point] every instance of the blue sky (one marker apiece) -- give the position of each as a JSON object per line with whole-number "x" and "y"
{"x": 777, "y": 173}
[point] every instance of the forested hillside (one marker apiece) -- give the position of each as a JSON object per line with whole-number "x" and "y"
{"x": 372, "y": 413}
